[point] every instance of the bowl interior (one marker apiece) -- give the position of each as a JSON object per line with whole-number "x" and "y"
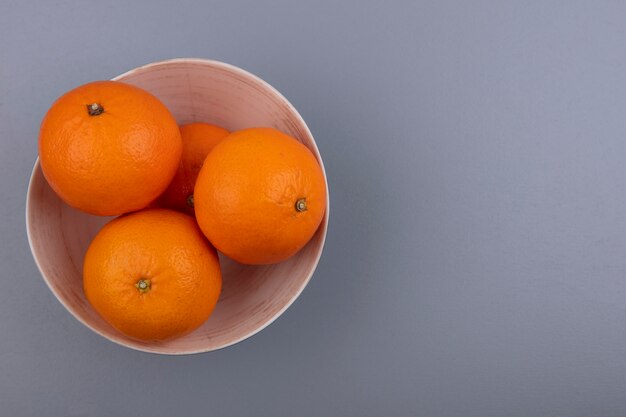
{"x": 252, "y": 296}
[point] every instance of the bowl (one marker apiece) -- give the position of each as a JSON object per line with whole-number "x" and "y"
{"x": 195, "y": 90}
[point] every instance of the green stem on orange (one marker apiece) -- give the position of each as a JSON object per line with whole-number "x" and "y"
{"x": 143, "y": 285}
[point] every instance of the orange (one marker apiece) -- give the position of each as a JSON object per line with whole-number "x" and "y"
{"x": 108, "y": 148}
{"x": 152, "y": 274}
{"x": 198, "y": 140}
{"x": 260, "y": 196}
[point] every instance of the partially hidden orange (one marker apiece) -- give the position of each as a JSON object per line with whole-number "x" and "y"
{"x": 198, "y": 140}
{"x": 109, "y": 148}
{"x": 260, "y": 196}
{"x": 152, "y": 274}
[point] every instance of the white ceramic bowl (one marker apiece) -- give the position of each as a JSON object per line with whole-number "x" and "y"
{"x": 194, "y": 90}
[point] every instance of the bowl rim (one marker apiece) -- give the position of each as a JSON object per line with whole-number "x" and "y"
{"x": 323, "y": 226}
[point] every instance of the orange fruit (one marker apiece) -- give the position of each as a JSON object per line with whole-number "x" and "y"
{"x": 108, "y": 148}
{"x": 152, "y": 274}
{"x": 260, "y": 196}
{"x": 198, "y": 140}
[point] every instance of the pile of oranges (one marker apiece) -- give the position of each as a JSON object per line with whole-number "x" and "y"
{"x": 180, "y": 194}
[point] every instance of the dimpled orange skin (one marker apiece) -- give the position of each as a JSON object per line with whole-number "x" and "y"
{"x": 113, "y": 162}
{"x": 247, "y": 192}
{"x": 198, "y": 140}
{"x": 165, "y": 248}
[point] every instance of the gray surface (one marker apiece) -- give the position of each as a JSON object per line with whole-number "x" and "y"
{"x": 475, "y": 263}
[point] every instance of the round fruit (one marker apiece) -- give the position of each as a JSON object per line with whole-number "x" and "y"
{"x": 109, "y": 148}
{"x": 152, "y": 274}
{"x": 260, "y": 196}
{"x": 198, "y": 140}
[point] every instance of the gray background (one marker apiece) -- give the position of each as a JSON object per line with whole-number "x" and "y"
{"x": 475, "y": 262}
